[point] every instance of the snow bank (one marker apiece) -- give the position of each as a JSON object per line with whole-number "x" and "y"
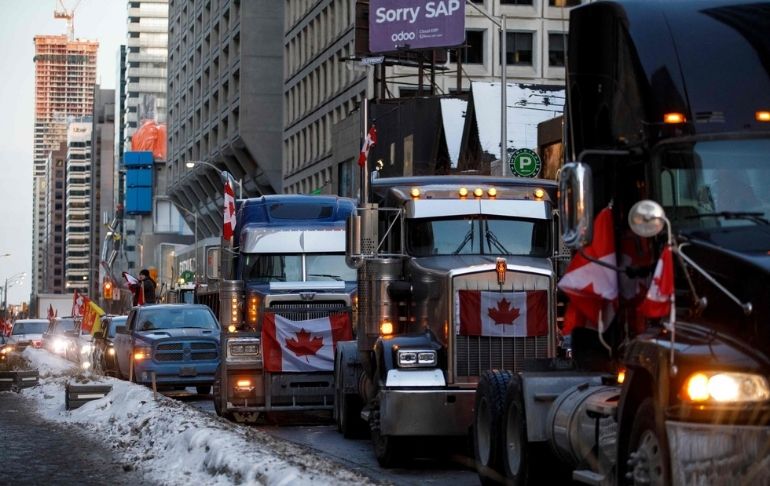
{"x": 173, "y": 443}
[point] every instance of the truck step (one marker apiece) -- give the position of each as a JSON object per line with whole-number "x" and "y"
{"x": 603, "y": 404}
{"x": 587, "y": 476}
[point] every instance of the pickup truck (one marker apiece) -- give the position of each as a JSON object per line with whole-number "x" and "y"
{"x": 177, "y": 343}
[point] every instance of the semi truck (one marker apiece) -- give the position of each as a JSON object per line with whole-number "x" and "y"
{"x": 668, "y": 123}
{"x": 285, "y": 299}
{"x": 456, "y": 275}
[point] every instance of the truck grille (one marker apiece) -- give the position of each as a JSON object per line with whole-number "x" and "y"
{"x": 476, "y": 354}
{"x": 300, "y": 311}
{"x": 182, "y": 351}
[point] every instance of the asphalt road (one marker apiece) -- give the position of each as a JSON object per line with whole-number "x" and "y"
{"x": 34, "y": 451}
{"x": 432, "y": 462}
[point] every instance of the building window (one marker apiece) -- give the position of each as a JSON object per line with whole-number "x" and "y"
{"x": 563, "y": 3}
{"x": 473, "y": 52}
{"x": 556, "y": 49}
{"x": 518, "y": 48}
{"x": 516, "y": 2}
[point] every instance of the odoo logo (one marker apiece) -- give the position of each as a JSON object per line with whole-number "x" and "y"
{"x": 402, "y": 36}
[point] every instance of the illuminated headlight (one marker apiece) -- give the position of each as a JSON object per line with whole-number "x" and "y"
{"x": 410, "y": 358}
{"x": 85, "y": 365}
{"x": 726, "y": 387}
{"x": 111, "y": 351}
{"x": 85, "y": 349}
{"x": 59, "y": 346}
{"x": 247, "y": 349}
{"x": 141, "y": 353}
{"x": 6, "y": 350}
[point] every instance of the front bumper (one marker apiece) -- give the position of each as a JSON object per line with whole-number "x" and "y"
{"x": 718, "y": 454}
{"x": 185, "y": 373}
{"x": 426, "y": 412}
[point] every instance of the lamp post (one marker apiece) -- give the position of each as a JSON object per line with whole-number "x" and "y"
{"x": 195, "y": 232}
{"x": 501, "y": 25}
{"x": 5, "y": 290}
{"x": 223, "y": 174}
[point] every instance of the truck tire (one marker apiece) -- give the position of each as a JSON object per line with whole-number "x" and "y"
{"x": 487, "y": 425}
{"x": 203, "y": 389}
{"x": 387, "y": 449}
{"x": 215, "y": 394}
{"x": 648, "y": 450}
{"x": 515, "y": 454}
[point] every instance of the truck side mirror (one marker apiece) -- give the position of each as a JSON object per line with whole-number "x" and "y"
{"x": 576, "y": 204}
{"x": 213, "y": 256}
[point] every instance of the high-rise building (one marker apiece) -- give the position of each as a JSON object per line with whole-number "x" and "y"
{"x": 225, "y": 84}
{"x": 146, "y": 58}
{"x": 77, "y": 226}
{"x": 65, "y": 75}
{"x": 324, "y": 80}
{"x": 53, "y": 253}
{"x": 102, "y": 182}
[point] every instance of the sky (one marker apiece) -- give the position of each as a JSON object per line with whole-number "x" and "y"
{"x": 21, "y": 20}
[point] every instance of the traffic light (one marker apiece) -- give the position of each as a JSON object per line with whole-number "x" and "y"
{"x": 107, "y": 292}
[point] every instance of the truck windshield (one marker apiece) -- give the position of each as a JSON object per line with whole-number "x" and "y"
{"x": 265, "y": 268}
{"x": 716, "y": 183}
{"x": 176, "y": 318}
{"x": 478, "y": 235}
{"x": 29, "y": 327}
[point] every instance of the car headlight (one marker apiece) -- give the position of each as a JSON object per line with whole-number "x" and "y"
{"x": 59, "y": 345}
{"x": 141, "y": 353}
{"x": 85, "y": 349}
{"x": 244, "y": 349}
{"x": 726, "y": 387}
{"x": 6, "y": 350}
{"x": 111, "y": 351}
{"x": 412, "y": 358}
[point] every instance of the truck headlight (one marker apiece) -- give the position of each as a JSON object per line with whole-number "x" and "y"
{"x": 244, "y": 349}
{"x": 726, "y": 387}
{"x": 412, "y": 358}
{"x": 85, "y": 349}
{"x": 141, "y": 353}
{"x": 59, "y": 345}
{"x": 252, "y": 310}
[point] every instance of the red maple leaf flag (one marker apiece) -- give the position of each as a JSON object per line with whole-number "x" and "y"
{"x": 369, "y": 141}
{"x": 513, "y": 314}
{"x": 229, "y": 212}
{"x": 591, "y": 287}
{"x": 657, "y": 303}
{"x": 300, "y": 346}
{"x": 78, "y": 304}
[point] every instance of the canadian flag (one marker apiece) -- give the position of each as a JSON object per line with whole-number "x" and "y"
{"x": 592, "y": 288}
{"x": 657, "y": 303}
{"x": 513, "y": 314}
{"x": 369, "y": 141}
{"x": 78, "y": 304}
{"x": 229, "y": 222}
{"x": 135, "y": 286}
{"x": 302, "y": 345}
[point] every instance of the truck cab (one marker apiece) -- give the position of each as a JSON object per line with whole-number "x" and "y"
{"x": 296, "y": 294}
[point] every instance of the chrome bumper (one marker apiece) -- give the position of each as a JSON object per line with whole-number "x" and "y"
{"x": 719, "y": 454}
{"x": 424, "y": 412}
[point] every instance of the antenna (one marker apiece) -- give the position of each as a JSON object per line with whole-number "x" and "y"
{"x": 68, "y": 14}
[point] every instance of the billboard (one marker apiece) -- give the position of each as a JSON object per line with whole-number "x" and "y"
{"x": 415, "y": 24}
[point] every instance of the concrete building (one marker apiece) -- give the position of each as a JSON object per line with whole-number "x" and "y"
{"x": 225, "y": 87}
{"x": 145, "y": 64}
{"x": 102, "y": 182}
{"x": 323, "y": 82}
{"x": 65, "y": 74}
{"x": 77, "y": 227}
{"x": 53, "y": 253}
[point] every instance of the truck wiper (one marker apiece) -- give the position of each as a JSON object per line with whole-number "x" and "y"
{"x": 468, "y": 237}
{"x": 492, "y": 239}
{"x": 751, "y": 216}
{"x": 335, "y": 277}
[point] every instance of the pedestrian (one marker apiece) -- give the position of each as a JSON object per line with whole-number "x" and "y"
{"x": 147, "y": 285}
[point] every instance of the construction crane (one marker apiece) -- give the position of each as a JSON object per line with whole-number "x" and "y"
{"x": 68, "y": 14}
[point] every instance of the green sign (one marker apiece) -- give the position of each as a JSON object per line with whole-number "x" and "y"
{"x": 525, "y": 163}
{"x": 188, "y": 276}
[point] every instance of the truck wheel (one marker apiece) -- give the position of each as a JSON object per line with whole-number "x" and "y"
{"x": 648, "y": 457}
{"x": 386, "y": 449}
{"x": 349, "y": 417}
{"x": 203, "y": 389}
{"x": 487, "y": 425}
{"x": 514, "y": 426}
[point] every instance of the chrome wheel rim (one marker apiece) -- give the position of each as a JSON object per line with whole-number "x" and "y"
{"x": 483, "y": 432}
{"x": 513, "y": 446}
{"x": 649, "y": 464}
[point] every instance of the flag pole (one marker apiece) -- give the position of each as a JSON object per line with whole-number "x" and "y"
{"x": 365, "y": 169}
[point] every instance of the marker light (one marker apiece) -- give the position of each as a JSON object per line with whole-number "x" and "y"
{"x": 243, "y": 383}
{"x": 415, "y": 192}
{"x": 231, "y": 328}
{"x": 727, "y": 387}
{"x": 492, "y": 192}
{"x": 386, "y": 328}
{"x": 762, "y": 116}
{"x": 478, "y": 192}
{"x": 141, "y": 353}
{"x": 674, "y": 118}
{"x": 501, "y": 267}
{"x": 463, "y": 192}
{"x": 621, "y": 376}
{"x": 539, "y": 193}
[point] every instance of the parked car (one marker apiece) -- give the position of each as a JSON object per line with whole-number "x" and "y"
{"x": 54, "y": 338}
{"x": 103, "y": 357}
{"x": 79, "y": 345}
{"x": 27, "y": 332}
{"x": 177, "y": 343}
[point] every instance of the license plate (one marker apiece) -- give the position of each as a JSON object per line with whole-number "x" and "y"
{"x": 187, "y": 371}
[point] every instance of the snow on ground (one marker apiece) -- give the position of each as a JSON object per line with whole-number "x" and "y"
{"x": 173, "y": 443}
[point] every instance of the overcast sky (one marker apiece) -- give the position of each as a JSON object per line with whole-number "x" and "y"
{"x": 20, "y": 21}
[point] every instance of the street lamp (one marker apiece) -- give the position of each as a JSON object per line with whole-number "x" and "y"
{"x": 5, "y": 290}
{"x": 195, "y": 232}
{"x": 223, "y": 174}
